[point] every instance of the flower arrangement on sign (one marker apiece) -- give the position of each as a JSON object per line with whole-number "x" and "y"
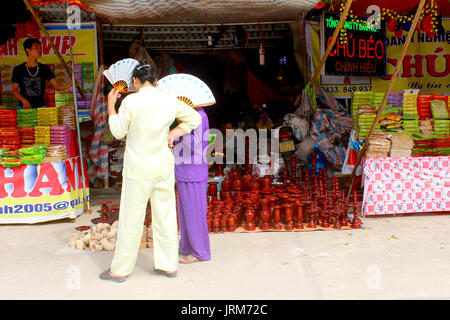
{"x": 430, "y": 20}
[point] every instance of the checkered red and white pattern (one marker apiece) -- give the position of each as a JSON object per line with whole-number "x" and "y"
{"x": 406, "y": 185}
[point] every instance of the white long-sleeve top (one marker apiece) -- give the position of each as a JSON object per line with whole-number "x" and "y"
{"x": 144, "y": 118}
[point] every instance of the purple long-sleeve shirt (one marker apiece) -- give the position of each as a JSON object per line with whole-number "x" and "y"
{"x": 190, "y": 153}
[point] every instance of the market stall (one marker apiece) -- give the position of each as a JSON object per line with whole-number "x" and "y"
{"x": 40, "y": 148}
{"x": 400, "y": 116}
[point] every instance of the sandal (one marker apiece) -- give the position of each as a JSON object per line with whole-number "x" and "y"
{"x": 106, "y": 275}
{"x": 165, "y": 273}
{"x": 188, "y": 259}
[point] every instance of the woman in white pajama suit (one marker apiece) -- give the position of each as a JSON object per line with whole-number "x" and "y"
{"x": 144, "y": 118}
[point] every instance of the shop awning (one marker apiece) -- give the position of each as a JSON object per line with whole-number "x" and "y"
{"x": 225, "y": 11}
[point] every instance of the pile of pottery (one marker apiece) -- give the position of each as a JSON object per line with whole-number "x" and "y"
{"x": 299, "y": 202}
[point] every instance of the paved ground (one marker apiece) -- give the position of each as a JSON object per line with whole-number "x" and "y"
{"x": 392, "y": 258}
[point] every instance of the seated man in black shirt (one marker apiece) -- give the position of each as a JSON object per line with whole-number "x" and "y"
{"x": 28, "y": 78}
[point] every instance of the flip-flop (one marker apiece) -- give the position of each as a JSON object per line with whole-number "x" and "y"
{"x": 165, "y": 273}
{"x": 105, "y": 275}
{"x": 187, "y": 259}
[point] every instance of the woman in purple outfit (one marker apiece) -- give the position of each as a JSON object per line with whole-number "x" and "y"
{"x": 191, "y": 173}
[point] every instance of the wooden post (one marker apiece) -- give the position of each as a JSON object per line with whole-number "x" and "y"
{"x": 333, "y": 40}
{"x": 388, "y": 91}
{"x": 100, "y": 41}
{"x": 55, "y": 50}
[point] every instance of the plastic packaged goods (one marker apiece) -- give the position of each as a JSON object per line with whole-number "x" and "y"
{"x": 439, "y": 109}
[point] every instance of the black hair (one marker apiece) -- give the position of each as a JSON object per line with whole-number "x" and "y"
{"x": 145, "y": 72}
{"x": 27, "y": 44}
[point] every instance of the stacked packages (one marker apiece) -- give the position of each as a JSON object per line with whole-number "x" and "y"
{"x": 49, "y": 97}
{"x": 391, "y": 119}
{"x": 359, "y": 99}
{"x": 26, "y": 118}
{"x": 410, "y": 106}
{"x": 33, "y": 154}
{"x": 402, "y": 145}
{"x": 60, "y": 136}
{"x": 379, "y": 145}
{"x": 410, "y": 113}
{"x": 395, "y": 99}
{"x": 55, "y": 154}
{"x": 10, "y": 158}
{"x": 377, "y": 99}
{"x": 42, "y": 135}
{"x": 87, "y": 75}
{"x": 424, "y": 107}
{"x": 67, "y": 117}
{"x": 9, "y": 138}
{"x": 27, "y": 136}
{"x": 365, "y": 123}
{"x": 8, "y": 119}
{"x": 426, "y": 127}
{"x": 47, "y": 116}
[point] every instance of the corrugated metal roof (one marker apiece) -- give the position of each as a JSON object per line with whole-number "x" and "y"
{"x": 158, "y": 11}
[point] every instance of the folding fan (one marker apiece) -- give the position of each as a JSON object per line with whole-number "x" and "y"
{"x": 120, "y": 74}
{"x": 188, "y": 88}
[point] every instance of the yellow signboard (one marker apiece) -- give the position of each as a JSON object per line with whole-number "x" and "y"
{"x": 84, "y": 45}
{"x": 426, "y": 65}
{"x": 39, "y": 193}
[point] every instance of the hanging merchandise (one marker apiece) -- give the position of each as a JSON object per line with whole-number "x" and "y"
{"x": 262, "y": 61}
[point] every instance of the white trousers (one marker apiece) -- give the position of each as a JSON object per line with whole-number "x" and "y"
{"x": 133, "y": 203}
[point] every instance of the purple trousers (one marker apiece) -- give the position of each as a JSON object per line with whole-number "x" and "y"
{"x": 192, "y": 210}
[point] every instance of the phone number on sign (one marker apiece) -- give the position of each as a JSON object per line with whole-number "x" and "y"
{"x": 335, "y": 89}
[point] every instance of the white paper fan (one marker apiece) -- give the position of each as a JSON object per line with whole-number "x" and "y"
{"x": 120, "y": 74}
{"x": 188, "y": 89}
